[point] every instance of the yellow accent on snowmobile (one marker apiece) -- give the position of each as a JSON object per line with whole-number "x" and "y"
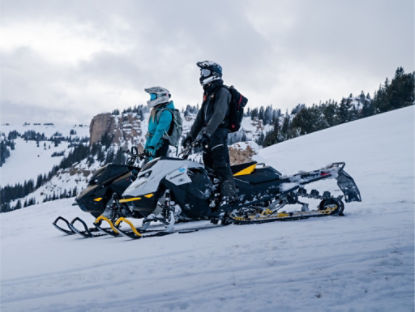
{"x": 102, "y": 218}
{"x": 282, "y": 214}
{"x": 245, "y": 171}
{"x": 98, "y": 199}
{"x": 122, "y": 219}
{"x": 329, "y": 210}
{"x": 149, "y": 195}
{"x": 126, "y": 200}
{"x": 267, "y": 212}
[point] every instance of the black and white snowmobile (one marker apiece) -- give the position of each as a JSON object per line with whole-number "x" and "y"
{"x": 171, "y": 189}
{"x": 104, "y": 189}
{"x": 168, "y": 190}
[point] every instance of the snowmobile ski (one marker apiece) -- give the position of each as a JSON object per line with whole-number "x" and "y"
{"x": 137, "y": 233}
{"x": 76, "y": 226}
{"x": 67, "y": 229}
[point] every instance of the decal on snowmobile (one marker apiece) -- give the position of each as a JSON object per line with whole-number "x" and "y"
{"x": 126, "y": 200}
{"x": 247, "y": 170}
{"x": 179, "y": 177}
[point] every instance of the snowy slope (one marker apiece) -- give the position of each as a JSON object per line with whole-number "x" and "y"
{"x": 27, "y": 161}
{"x": 360, "y": 262}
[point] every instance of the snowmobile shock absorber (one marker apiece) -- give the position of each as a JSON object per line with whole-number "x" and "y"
{"x": 112, "y": 230}
{"x": 134, "y": 234}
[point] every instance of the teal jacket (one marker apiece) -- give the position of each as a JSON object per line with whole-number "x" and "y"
{"x": 158, "y": 126}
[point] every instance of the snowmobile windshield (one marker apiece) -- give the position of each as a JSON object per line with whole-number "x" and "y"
{"x": 97, "y": 174}
{"x": 149, "y": 164}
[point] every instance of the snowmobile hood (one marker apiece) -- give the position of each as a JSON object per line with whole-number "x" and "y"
{"x": 152, "y": 174}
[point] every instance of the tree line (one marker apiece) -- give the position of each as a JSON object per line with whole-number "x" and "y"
{"x": 303, "y": 120}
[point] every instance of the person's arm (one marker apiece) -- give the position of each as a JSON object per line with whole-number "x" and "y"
{"x": 223, "y": 98}
{"x": 197, "y": 124}
{"x": 162, "y": 127}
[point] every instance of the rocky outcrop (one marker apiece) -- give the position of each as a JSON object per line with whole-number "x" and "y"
{"x": 240, "y": 153}
{"x": 121, "y": 128}
{"x": 100, "y": 125}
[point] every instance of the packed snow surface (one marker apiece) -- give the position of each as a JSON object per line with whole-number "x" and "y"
{"x": 361, "y": 262}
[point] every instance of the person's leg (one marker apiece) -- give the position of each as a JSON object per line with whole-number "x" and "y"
{"x": 163, "y": 149}
{"x": 219, "y": 155}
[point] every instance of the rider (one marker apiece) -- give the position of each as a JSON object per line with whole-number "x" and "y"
{"x": 160, "y": 121}
{"x": 211, "y": 127}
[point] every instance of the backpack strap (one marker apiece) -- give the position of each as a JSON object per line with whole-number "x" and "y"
{"x": 161, "y": 110}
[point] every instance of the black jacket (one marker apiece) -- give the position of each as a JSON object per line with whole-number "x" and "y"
{"x": 214, "y": 111}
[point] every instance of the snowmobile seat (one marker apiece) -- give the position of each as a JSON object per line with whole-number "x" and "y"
{"x": 243, "y": 169}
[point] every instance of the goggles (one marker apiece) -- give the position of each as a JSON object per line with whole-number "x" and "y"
{"x": 153, "y": 96}
{"x": 204, "y": 72}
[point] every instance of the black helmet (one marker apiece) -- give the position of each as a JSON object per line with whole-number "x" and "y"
{"x": 209, "y": 71}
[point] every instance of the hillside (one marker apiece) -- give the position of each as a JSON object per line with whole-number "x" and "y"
{"x": 361, "y": 262}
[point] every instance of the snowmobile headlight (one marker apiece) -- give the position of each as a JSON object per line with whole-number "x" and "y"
{"x": 145, "y": 175}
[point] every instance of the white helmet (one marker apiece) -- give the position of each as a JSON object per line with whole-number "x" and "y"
{"x": 158, "y": 95}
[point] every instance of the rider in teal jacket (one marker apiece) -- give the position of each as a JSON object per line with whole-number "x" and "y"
{"x": 160, "y": 121}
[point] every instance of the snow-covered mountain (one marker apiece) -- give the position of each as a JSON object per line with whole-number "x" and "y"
{"x": 361, "y": 262}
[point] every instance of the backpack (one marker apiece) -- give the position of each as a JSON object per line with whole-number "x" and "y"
{"x": 236, "y": 109}
{"x": 175, "y": 131}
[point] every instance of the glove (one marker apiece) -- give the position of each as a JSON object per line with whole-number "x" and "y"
{"x": 149, "y": 152}
{"x": 202, "y": 140}
{"x": 187, "y": 141}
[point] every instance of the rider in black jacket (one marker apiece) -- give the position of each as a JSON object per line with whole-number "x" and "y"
{"x": 211, "y": 127}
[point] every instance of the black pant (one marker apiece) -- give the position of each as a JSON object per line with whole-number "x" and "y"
{"x": 216, "y": 159}
{"x": 163, "y": 150}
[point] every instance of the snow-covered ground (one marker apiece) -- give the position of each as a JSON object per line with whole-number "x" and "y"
{"x": 361, "y": 262}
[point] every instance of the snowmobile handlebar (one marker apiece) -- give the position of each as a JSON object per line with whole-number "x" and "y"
{"x": 134, "y": 155}
{"x": 188, "y": 149}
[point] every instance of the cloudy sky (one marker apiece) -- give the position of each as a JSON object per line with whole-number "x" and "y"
{"x": 66, "y": 61}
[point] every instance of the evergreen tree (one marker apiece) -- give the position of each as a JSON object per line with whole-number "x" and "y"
{"x": 18, "y": 205}
{"x": 272, "y": 137}
{"x": 254, "y": 113}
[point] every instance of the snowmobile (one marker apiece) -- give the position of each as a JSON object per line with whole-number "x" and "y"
{"x": 168, "y": 190}
{"x": 104, "y": 188}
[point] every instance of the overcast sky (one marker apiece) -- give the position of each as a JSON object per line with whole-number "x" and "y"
{"x": 66, "y": 61}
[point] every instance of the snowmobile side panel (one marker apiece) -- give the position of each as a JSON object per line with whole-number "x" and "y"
{"x": 193, "y": 197}
{"x": 95, "y": 197}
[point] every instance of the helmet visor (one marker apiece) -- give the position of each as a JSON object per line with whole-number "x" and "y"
{"x": 204, "y": 72}
{"x": 153, "y": 96}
